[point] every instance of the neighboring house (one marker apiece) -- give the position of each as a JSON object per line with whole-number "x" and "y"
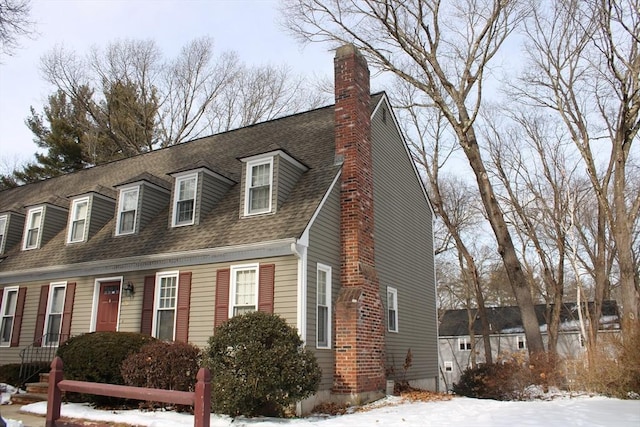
{"x": 277, "y": 216}
{"x": 456, "y": 345}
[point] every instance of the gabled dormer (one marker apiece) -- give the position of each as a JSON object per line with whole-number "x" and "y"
{"x": 139, "y": 201}
{"x": 43, "y": 221}
{"x": 267, "y": 180}
{"x": 11, "y": 227}
{"x": 89, "y": 212}
{"x": 196, "y": 190}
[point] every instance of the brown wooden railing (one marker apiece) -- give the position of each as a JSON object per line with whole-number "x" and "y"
{"x": 200, "y": 399}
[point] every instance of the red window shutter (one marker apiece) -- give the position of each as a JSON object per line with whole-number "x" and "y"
{"x": 17, "y": 318}
{"x": 182, "y": 311}
{"x": 42, "y": 313}
{"x": 146, "y": 320}
{"x": 65, "y": 328}
{"x": 266, "y": 287}
{"x": 222, "y": 296}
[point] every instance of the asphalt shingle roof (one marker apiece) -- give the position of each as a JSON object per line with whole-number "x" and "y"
{"x": 508, "y": 319}
{"x": 308, "y": 137}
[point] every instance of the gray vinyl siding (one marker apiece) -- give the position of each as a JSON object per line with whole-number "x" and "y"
{"x": 151, "y": 200}
{"x": 210, "y": 192}
{"x": 14, "y": 230}
{"x": 324, "y": 248}
{"x": 404, "y": 252}
{"x": 286, "y": 176}
{"x": 201, "y": 315}
{"x": 101, "y": 211}
{"x": 54, "y": 219}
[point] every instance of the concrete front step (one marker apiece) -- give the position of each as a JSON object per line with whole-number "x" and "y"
{"x": 44, "y": 377}
{"x": 27, "y": 398}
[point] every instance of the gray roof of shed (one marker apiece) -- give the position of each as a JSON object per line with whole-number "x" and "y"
{"x": 508, "y": 319}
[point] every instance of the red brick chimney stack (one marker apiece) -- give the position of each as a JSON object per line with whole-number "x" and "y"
{"x": 359, "y": 335}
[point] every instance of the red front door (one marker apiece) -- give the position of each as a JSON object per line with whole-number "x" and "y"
{"x": 108, "y": 304}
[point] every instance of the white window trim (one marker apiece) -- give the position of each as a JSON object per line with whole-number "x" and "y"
{"x": 3, "y": 307}
{"x": 176, "y": 193}
{"x": 249, "y": 166}
{"x": 4, "y": 220}
{"x": 521, "y": 339}
{"x": 72, "y": 220}
{"x": 52, "y": 287}
{"x": 394, "y": 292}
{"x": 327, "y": 270}
{"x": 27, "y": 223}
{"x": 448, "y": 366}
{"x": 156, "y": 301}
{"x": 124, "y": 190}
{"x": 232, "y": 288}
{"x": 467, "y": 344}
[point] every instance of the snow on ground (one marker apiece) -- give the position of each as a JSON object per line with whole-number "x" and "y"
{"x": 392, "y": 411}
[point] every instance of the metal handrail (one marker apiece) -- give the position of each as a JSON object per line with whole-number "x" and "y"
{"x": 42, "y": 350}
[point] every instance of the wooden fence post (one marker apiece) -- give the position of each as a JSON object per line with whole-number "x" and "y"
{"x": 202, "y": 399}
{"x": 54, "y": 395}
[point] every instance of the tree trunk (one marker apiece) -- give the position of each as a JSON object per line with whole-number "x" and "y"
{"x": 506, "y": 248}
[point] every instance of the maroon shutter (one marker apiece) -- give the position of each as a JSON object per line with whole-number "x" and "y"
{"x": 42, "y": 313}
{"x": 65, "y": 328}
{"x": 266, "y": 287}
{"x": 222, "y": 297}
{"x": 182, "y": 311}
{"x": 146, "y": 320}
{"x": 17, "y": 318}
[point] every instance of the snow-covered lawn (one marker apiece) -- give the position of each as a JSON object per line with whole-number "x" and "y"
{"x": 393, "y": 411}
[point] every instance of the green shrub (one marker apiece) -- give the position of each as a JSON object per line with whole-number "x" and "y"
{"x": 97, "y": 357}
{"x": 164, "y": 365}
{"x": 259, "y": 366}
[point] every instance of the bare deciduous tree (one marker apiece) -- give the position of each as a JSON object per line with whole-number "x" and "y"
{"x": 585, "y": 65}
{"x": 443, "y": 49}
{"x": 15, "y": 22}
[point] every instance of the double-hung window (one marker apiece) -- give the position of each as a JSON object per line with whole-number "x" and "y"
{"x": 3, "y": 232}
{"x": 185, "y": 200}
{"x": 53, "y": 319}
{"x": 127, "y": 210}
{"x": 521, "y": 342}
{"x": 323, "y": 307}
{"x": 464, "y": 344}
{"x": 8, "y": 312}
{"x": 392, "y": 309}
{"x": 244, "y": 290}
{"x": 166, "y": 299}
{"x": 78, "y": 220}
{"x": 259, "y": 187}
{"x": 33, "y": 227}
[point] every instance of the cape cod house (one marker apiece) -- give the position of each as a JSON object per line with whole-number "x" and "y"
{"x": 457, "y": 345}
{"x": 277, "y": 216}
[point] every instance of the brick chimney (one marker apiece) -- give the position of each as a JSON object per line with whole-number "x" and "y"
{"x": 359, "y": 331}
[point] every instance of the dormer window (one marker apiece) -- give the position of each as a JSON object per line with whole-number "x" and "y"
{"x": 127, "y": 210}
{"x": 78, "y": 220}
{"x": 32, "y": 229}
{"x": 3, "y": 231}
{"x": 185, "y": 200}
{"x": 259, "y": 187}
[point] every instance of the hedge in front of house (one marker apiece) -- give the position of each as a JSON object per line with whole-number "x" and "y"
{"x": 259, "y": 366}
{"x": 97, "y": 357}
{"x": 10, "y": 373}
{"x": 163, "y": 365}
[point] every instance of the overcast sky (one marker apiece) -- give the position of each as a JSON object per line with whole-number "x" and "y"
{"x": 248, "y": 27}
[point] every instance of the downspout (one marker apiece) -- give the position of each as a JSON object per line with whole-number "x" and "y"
{"x": 299, "y": 249}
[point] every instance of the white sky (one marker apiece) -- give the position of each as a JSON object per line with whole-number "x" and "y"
{"x": 248, "y": 27}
